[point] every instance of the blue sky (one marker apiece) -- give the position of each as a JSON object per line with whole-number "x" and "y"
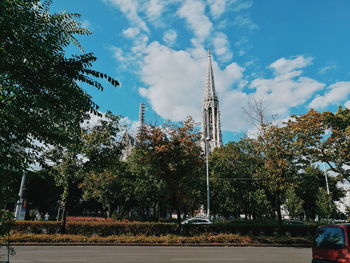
{"x": 293, "y": 54}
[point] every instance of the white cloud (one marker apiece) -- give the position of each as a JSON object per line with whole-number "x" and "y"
{"x": 130, "y": 9}
{"x": 175, "y": 91}
{"x": 118, "y": 54}
{"x": 326, "y": 69}
{"x": 288, "y": 88}
{"x": 93, "y": 121}
{"x": 245, "y": 22}
{"x": 170, "y": 37}
{"x": 154, "y": 9}
{"x": 239, "y": 5}
{"x": 129, "y": 125}
{"x": 347, "y": 104}
{"x": 338, "y": 92}
{"x": 284, "y": 65}
{"x": 131, "y": 32}
{"x": 217, "y": 7}
{"x": 222, "y": 47}
{"x": 193, "y": 11}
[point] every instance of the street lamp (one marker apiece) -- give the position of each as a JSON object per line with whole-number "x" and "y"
{"x": 19, "y": 215}
{"x": 207, "y": 173}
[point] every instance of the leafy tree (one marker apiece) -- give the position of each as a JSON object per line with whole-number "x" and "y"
{"x": 100, "y": 173}
{"x": 324, "y": 204}
{"x": 41, "y": 100}
{"x": 276, "y": 149}
{"x": 172, "y": 154}
{"x": 66, "y": 169}
{"x": 232, "y": 169}
{"x": 293, "y": 203}
{"x": 145, "y": 189}
{"x": 326, "y": 138}
{"x": 311, "y": 181}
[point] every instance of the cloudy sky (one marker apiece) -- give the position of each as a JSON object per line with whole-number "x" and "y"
{"x": 293, "y": 54}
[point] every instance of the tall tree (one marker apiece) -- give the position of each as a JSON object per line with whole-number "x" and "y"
{"x": 326, "y": 138}
{"x": 276, "y": 149}
{"x": 101, "y": 148}
{"x": 232, "y": 169}
{"x": 173, "y": 154}
{"x": 41, "y": 100}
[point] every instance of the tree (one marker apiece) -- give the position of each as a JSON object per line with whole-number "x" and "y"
{"x": 41, "y": 100}
{"x": 100, "y": 173}
{"x": 293, "y": 203}
{"x": 325, "y": 138}
{"x": 276, "y": 149}
{"x": 232, "y": 184}
{"x": 310, "y": 182}
{"x": 174, "y": 156}
{"x": 66, "y": 169}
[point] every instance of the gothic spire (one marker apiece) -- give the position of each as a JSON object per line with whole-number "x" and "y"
{"x": 211, "y": 126}
{"x": 210, "y": 85}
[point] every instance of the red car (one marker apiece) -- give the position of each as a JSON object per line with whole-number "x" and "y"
{"x": 331, "y": 244}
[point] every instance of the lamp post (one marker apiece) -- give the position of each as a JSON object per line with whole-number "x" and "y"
{"x": 18, "y": 212}
{"x": 207, "y": 173}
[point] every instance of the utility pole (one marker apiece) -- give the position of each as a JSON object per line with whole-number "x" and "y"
{"x": 207, "y": 173}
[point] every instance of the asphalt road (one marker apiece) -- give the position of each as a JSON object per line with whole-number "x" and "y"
{"x": 124, "y": 254}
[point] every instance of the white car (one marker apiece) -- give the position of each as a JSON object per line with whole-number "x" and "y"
{"x": 196, "y": 221}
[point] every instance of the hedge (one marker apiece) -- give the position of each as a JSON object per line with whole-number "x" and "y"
{"x": 167, "y": 239}
{"x": 161, "y": 229}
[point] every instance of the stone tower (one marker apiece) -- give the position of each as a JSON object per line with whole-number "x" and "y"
{"x": 211, "y": 128}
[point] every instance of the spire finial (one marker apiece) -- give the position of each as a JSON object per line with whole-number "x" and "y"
{"x": 209, "y": 52}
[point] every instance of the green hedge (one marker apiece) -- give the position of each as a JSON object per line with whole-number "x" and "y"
{"x": 160, "y": 229}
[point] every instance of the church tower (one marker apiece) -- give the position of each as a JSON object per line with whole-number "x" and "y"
{"x": 211, "y": 128}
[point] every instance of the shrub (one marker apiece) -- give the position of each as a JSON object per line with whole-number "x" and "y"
{"x": 89, "y": 219}
{"x": 161, "y": 229}
{"x": 166, "y": 239}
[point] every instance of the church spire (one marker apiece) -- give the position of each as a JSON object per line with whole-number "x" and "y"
{"x": 210, "y": 85}
{"x": 211, "y": 127}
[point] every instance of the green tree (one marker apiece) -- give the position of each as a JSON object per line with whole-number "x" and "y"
{"x": 41, "y": 100}
{"x": 324, "y": 205}
{"x": 67, "y": 167}
{"x": 276, "y": 149}
{"x": 293, "y": 203}
{"x": 173, "y": 155}
{"x": 232, "y": 169}
{"x": 102, "y": 170}
{"x": 326, "y": 138}
{"x": 308, "y": 186}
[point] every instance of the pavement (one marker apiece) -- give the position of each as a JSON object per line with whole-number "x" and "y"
{"x": 157, "y": 254}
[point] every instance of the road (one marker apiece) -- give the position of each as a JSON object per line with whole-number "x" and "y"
{"x": 125, "y": 254}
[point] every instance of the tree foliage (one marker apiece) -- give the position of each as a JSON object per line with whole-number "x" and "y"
{"x": 172, "y": 154}
{"x": 41, "y": 99}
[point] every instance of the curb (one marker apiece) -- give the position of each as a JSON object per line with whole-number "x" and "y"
{"x": 163, "y": 244}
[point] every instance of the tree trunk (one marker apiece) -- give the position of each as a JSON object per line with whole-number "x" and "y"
{"x": 278, "y": 209}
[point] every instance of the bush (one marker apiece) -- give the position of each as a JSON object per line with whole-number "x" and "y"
{"x": 160, "y": 229}
{"x": 167, "y": 239}
{"x": 89, "y": 219}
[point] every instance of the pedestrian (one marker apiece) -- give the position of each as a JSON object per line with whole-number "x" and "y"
{"x": 46, "y": 216}
{"x": 38, "y": 217}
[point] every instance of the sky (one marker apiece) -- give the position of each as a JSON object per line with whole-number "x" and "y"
{"x": 292, "y": 54}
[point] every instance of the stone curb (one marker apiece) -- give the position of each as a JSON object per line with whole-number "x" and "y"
{"x": 163, "y": 245}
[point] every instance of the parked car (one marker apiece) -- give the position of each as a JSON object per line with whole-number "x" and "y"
{"x": 331, "y": 244}
{"x": 293, "y": 222}
{"x": 196, "y": 221}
